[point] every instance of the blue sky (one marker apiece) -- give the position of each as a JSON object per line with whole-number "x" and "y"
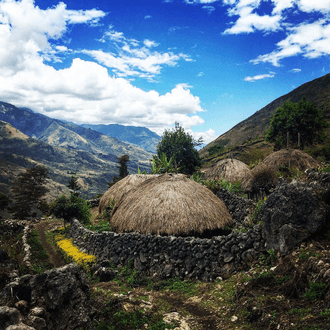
{"x": 207, "y": 64}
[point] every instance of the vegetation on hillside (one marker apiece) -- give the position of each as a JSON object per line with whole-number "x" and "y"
{"x": 291, "y": 119}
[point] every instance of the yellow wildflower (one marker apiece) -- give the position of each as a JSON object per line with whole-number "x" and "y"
{"x": 78, "y": 256}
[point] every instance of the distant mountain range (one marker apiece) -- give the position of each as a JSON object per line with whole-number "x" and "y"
{"x": 316, "y": 91}
{"x": 140, "y": 136}
{"x": 28, "y": 138}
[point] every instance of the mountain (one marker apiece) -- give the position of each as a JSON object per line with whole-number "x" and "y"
{"x": 140, "y": 136}
{"x": 27, "y": 138}
{"x": 316, "y": 91}
{"x": 41, "y": 127}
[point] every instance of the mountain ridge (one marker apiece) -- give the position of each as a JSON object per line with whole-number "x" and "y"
{"x": 316, "y": 91}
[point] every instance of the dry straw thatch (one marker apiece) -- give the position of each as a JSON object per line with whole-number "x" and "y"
{"x": 230, "y": 169}
{"x": 120, "y": 188}
{"x": 264, "y": 173}
{"x": 170, "y": 204}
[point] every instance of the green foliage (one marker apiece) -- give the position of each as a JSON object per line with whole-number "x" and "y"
{"x": 71, "y": 207}
{"x": 134, "y": 320}
{"x": 315, "y": 291}
{"x": 258, "y": 208}
{"x": 39, "y": 257}
{"x": 162, "y": 165}
{"x": 325, "y": 313}
{"x": 73, "y": 185}
{"x": 4, "y": 201}
{"x": 180, "y": 145}
{"x": 197, "y": 176}
{"x": 215, "y": 149}
{"x": 293, "y": 118}
{"x": 28, "y": 191}
{"x": 123, "y": 170}
{"x": 139, "y": 171}
{"x": 102, "y": 226}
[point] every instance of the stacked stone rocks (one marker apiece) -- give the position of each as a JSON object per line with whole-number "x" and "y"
{"x": 184, "y": 257}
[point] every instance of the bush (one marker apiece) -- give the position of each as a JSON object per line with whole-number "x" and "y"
{"x": 71, "y": 207}
{"x": 4, "y": 201}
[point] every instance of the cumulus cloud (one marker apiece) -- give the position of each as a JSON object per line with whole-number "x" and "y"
{"x": 260, "y": 77}
{"x": 84, "y": 92}
{"x": 309, "y": 38}
{"x": 133, "y": 57}
{"x": 296, "y": 70}
{"x": 207, "y": 136}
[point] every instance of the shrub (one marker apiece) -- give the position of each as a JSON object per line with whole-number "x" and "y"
{"x": 71, "y": 207}
{"x": 4, "y": 201}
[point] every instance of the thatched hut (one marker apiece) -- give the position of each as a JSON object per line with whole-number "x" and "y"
{"x": 230, "y": 169}
{"x": 120, "y": 188}
{"x": 263, "y": 176}
{"x": 170, "y": 204}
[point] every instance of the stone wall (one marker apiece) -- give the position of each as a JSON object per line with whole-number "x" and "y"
{"x": 184, "y": 257}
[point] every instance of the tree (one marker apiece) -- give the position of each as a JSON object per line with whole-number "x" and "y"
{"x": 180, "y": 145}
{"x": 4, "y": 201}
{"x": 73, "y": 185}
{"x": 123, "y": 171}
{"x": 293, "y": 118}
{"x": 73, "y": 206}
{"x": 28, "y": 191}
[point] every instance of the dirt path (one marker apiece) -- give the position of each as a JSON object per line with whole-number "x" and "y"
{"x": 55, "y": 256}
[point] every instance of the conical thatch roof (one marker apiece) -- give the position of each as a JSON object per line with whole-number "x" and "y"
{"x": 290, "y": 158}
{"x": 121, "y": 187}
{"x": 169, "y": 204}
{"x": 229, "y": 169}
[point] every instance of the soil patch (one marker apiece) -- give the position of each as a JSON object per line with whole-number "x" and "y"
{"x": 55, "y": 256}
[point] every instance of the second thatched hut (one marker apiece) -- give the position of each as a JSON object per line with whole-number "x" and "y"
{"x": 120, "y": 188}
{"x": 264, "y": 175}
{"x": 170, "y": 204}
{"x": 230, "y": 169}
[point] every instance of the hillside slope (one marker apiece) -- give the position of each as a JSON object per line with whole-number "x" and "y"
{"x": 316, "y": 91}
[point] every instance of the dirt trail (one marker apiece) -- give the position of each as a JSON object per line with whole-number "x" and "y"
{"x": 55, "y": 256}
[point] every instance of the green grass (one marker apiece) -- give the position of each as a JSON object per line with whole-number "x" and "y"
{"x": 315, "y": 291}
{"x": 39, "y": 257}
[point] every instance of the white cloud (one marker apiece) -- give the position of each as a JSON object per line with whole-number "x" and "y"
{"x": 147, "y": 17}
{"x": 249, "y": 21}
{"x": 310, "y": 6}
{"x": 200, "y": 74}
{"x": 308, "y": 39}
{"x": 209, "y": 9}
{"x": 207, "y": 136}
{"x": 84, "y": 91}
{"x": 132, "y": 59}
{"x": 150, "y": 43}
{"x": 260, "y": 77}
{"x": 296, "y": 70}
{"x": 190, "y": 2}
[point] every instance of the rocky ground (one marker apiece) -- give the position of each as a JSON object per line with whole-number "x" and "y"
{"x": 290, "y": 292}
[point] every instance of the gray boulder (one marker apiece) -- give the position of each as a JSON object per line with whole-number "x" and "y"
{"x": 57, "y": 299}
{"x": 292, "y": 213}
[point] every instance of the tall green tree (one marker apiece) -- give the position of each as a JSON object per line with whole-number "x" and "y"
{"x": 180, "y": 146}
{"x": 123, "y": 169}
{"x": 292, "y": 118}
{"x": 29, "y": 190}
{"x": 73, "y": 185}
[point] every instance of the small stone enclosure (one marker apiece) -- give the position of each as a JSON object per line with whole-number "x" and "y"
{"x": 206, "y": 259}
